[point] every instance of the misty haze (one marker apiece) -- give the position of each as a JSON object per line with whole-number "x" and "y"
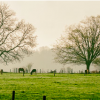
{"x": 43, "y": 59}
{"x": 49, "y": 50}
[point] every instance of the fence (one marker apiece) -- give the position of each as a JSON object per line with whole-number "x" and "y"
{"x": 13, "y": 96}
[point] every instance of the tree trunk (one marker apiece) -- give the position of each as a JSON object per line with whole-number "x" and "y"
{"x": 88, "y": 67}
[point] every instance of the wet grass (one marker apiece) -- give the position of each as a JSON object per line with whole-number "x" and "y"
{"x": 60, "y": 87}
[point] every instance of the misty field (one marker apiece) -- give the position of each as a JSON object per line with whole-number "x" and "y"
{"x": 60, "y": 87}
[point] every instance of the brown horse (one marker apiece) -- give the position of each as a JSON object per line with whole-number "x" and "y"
{"x": 95, "y": 71}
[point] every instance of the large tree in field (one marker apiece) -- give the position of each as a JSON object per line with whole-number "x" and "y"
{"x": 16, "y": 38}
{"x": 80, "y": 43}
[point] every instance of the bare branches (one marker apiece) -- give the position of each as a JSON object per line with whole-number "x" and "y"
{"x": 29, "y": 66}
{"x": 81, "y": 43}
{"x": 15, "y": 37}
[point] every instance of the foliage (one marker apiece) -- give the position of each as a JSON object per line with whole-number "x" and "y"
{"x": 16, "y": 37}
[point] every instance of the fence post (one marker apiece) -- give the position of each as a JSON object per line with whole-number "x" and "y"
{"x": 54, "y": 73}
{"x": 44, "y": 97}
{"x": 13, "y": 95}
{"x": 23, "y": 73}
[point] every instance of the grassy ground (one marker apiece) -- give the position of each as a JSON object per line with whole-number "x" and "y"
{"x": 60, "y": 87}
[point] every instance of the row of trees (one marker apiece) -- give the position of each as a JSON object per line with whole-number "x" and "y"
{"x": 68, "y": 70}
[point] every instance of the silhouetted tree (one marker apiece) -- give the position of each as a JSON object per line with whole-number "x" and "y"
{"x": 69, "y": 70}
{"x": 16, "y": 37}
{"x": 29, "y": 66}
{"x": 80, "y": 44}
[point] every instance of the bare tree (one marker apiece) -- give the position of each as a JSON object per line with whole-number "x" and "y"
{"x": 16, "y": 38}
{"x": 80, "y": 44}
{"x": 29, "y": 66}
{"x": 69, "y": 70}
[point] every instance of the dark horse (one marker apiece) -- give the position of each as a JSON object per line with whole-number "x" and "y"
{"x": 21, "y": 69}
{"x": 33, "y": 70}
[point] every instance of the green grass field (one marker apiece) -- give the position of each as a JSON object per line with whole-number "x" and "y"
{"x": 60, "y": 87}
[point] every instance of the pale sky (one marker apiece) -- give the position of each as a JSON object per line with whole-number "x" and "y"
{"x": 50, "y": 17}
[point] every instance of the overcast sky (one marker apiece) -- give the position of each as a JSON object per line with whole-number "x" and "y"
{"x": 50, "y": 17}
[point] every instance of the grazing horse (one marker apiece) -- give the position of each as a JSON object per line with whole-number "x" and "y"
{"x": 21, "y": 69}
{"x": 95, "y": 71}
{"x": 1, "y": 71}
{"x": 33, "y": 70}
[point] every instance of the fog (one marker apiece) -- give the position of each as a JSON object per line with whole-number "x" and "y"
{"x": 50, "y": 19}
{"x": 43, "y": 59}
